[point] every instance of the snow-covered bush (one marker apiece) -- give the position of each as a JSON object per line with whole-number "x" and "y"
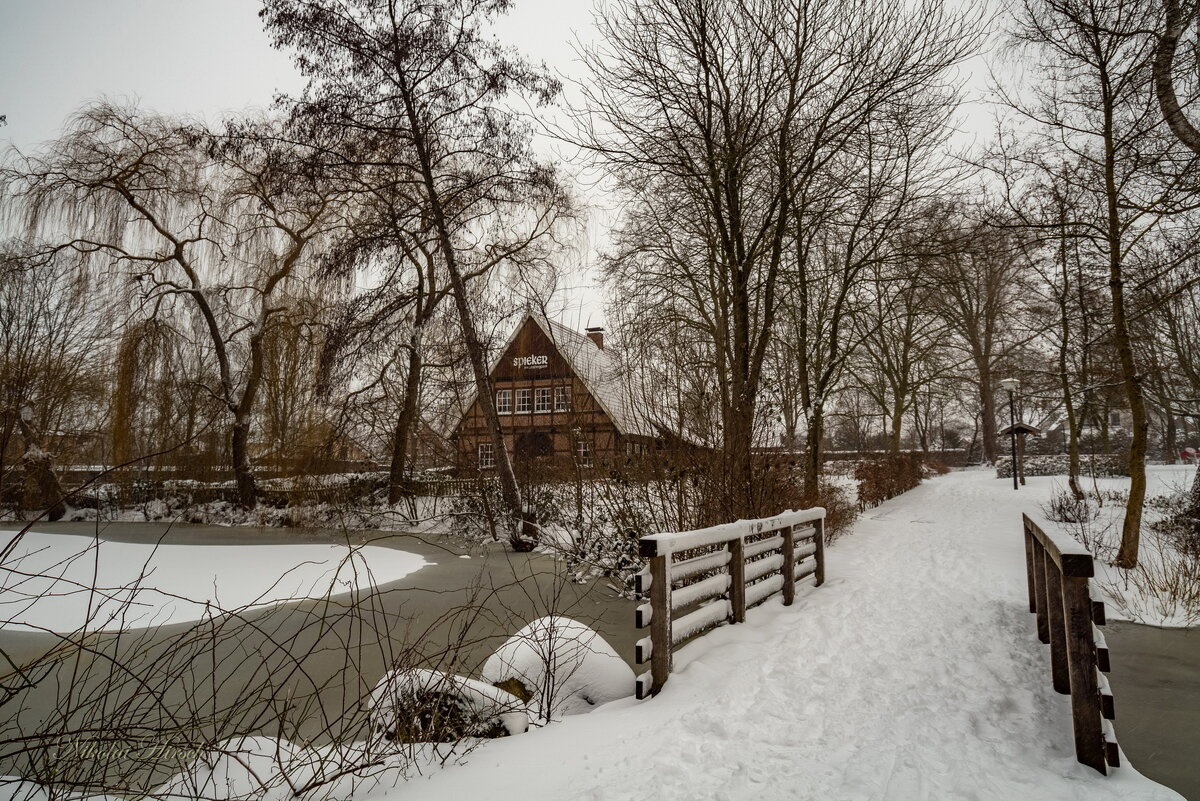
{"x": 566, "y": 667}
{"x": 418, "y": 705}
{"x": 1164, "y": 587}
{"x": 1102, "y": 466}
{"x": 840, "y": 509}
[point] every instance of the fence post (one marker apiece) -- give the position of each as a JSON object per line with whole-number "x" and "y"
{"x": 1039, "y": 585}
{"x": 737, "y": 579}
{"x": 1029, "y": 542}
{"x": 660, "y": 621}
{"x": 1057, "y": 628}
{"x": 819, "y": 554}
{"x": 789, "y": 565}
{"x": 1085, "y": 691}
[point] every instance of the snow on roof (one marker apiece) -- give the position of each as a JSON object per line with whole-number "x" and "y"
{"x": 600, "y": 369}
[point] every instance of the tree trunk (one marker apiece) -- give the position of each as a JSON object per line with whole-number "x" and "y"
{"x": 1069, "y": 406}
{"x": 1170, "y": 436}
{"x": 987, "y": 415}
{"x": 243, "y": 472}
{"x": 1193, "y": 505}
{"x": 522, "y": 534}
{"x": 1020, "y": 465}
{"x": 404, "y": 423}
{"x": 1175, "y": 23}
{"x": 815, "y": 455}
{"x": 42, "y": 489}
{"x": 6, "y": 431}
{"x": 1127, "y": 555}
{"x": 897, "y": 415}
{"x": 739, "y": 489}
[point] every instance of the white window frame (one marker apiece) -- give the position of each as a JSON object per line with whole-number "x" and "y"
{"x": 487, "y": 455}
{"x": 504, "y": 401}
{"x": 583, "y": 452}
{"x": 524, "y": 399}
{"x": 541, "y": 394}
{"x": 562, "y": 399}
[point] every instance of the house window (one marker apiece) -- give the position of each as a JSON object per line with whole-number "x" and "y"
{"x": 584, "y": 452}
{"x": 504, "y": 401}
{"x": 487, "y": 455}
{"x": 541, "y": 399}
{"x": 1114, "y": 418}
{"x": 562, "y": 399}
{"x": 523, "y": 404}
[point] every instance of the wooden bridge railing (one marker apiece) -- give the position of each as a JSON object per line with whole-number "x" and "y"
{"x": 723, "y": 571}
{"x": 1058, "y": 570}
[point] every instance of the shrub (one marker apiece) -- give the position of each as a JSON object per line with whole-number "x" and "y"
{"x": 840, "y": 510}
{"x": 418, "y": 705}
{"x": 881, "y": 479}
{"x": 1103, "y": 466}
{"x": 1064, "y": 507}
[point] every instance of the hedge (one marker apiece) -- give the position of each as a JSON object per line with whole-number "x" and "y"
{"x": 1104, "y": 465}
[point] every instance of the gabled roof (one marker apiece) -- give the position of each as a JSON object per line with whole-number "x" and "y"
{"x": 600, "y": 370}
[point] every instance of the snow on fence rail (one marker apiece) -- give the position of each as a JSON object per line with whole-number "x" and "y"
{"x": 1058, "y": 570}
{"x": 724, "y": 570}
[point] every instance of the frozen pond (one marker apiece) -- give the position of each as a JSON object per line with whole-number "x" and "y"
{"x": 292, "y": 666}
{"x": 67, "y": 582}
{"x": 1156, "y": 686}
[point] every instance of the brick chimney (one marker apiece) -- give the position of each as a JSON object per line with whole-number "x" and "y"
{"x": 596, "y": 334}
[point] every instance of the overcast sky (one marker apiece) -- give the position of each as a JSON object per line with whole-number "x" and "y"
{"x": 204, "y": 57}
{"x": 196, "y": 56}
{"x": 212, "y": 58}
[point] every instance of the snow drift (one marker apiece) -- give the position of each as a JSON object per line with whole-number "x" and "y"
{"x": 567, "y": 667}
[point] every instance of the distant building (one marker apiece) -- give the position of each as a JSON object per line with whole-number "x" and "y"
{"x": 562, "y": 398}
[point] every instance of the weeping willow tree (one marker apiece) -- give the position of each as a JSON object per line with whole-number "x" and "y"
{"x": 141, "y": 349}
{"x": 219, "y": 223}
{"x": 50, "y": 334}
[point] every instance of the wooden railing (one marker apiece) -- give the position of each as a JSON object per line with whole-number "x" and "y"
{"x": 1058, "y": 570}
{"x": 723, "y": 571}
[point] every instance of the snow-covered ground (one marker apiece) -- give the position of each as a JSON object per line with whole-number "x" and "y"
{"x": 1160, "y": 591}
{"x": 914, "y": 673}
{"x": 64, "y": 582}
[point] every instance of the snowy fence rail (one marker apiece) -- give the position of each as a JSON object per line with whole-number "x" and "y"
{"x": 1058, "y": 571}
{"x": 715, "y": 574}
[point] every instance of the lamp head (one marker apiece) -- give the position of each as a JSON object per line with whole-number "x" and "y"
{"x": 1010, "y": 384}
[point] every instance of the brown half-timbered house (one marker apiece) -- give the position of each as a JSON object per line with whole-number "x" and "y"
{"x": 562, "y": 400}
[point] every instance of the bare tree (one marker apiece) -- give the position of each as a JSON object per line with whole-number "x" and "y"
{"x": 221, "y": 222}
{"x": 426, "y": 78}
{"x": 978, "y": 273}
{"x": 903, "y": 341}
{"x": 51, "y": 352}
{"x": 1092, "y": 103}
{"x": 723, "y": 123}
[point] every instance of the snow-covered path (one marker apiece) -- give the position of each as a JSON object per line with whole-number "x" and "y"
{"x": 912, "y": 674}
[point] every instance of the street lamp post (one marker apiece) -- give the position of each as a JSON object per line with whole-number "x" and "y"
{"x": 1011, "y": 385}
